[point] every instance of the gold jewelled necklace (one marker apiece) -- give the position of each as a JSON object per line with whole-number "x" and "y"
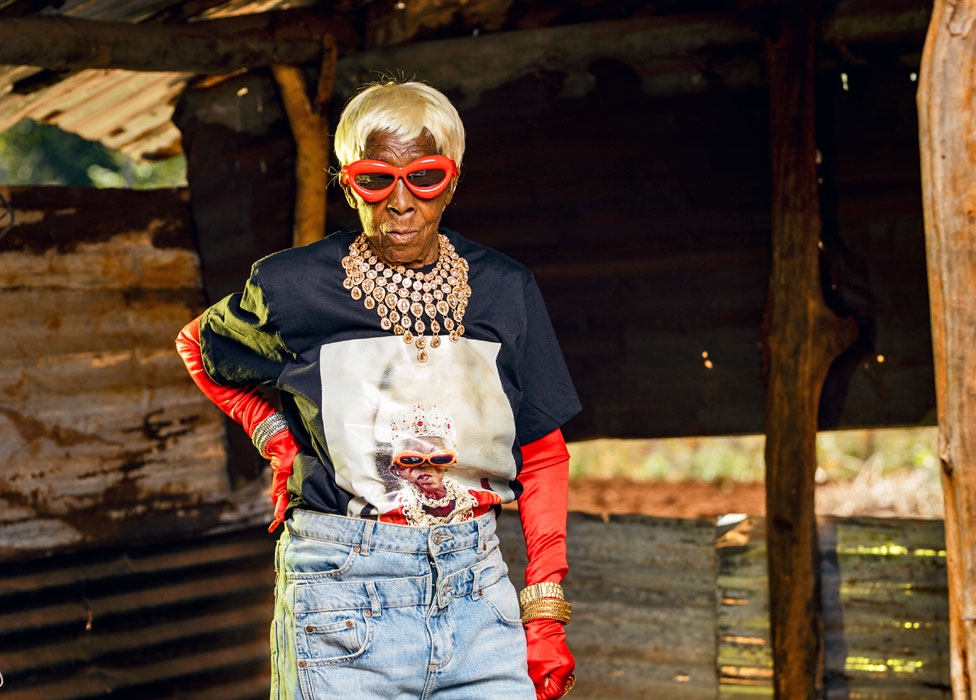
{"x": 417, "y": 509}
{"x": 403, "y": 297}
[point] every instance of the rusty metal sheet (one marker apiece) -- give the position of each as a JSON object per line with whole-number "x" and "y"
{"x": 103, "y": 437}
{"x": 128, "y": 111}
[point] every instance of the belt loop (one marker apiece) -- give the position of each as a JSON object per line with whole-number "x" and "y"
{"x": 367, "y": 533}
{"x": 374, "y": 599}
{"x": 475, "y": 580}
{"x": 482, "y": 538}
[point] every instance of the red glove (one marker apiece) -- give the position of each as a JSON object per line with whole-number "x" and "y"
{"x": 542, "y": 508}
{"x": 282, "y": 449}
{"x": 550, "y": 663}
{"x": 247, "y": 406}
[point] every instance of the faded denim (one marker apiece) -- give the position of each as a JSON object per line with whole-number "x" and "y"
{"x": 369, "y": 610}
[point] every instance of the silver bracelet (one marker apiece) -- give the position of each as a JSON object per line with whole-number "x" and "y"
{"x": 267, "y": 429}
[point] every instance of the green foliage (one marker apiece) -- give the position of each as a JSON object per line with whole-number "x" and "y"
{"x": 841, "y": 455}
{"x": 42, "y": 154}
{"x": 675, "y": 459}
{"x": 844, "y": 454}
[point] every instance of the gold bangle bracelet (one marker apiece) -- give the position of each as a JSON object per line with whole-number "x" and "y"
{"x": 546, "y": 589}
{"x": 558, "y": 617}
{"x": 548, "y": 603}
{"x": 535, "y": 610}
{"x": 551, "y": 609}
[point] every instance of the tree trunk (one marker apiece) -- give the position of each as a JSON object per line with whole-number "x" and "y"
{"x": 803, "y": 338}
{"x": 213, "y": 46}
{"x": 947, "y": 139}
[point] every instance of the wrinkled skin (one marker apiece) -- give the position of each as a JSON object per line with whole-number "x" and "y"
{"x": 401, "y": 229}
{"x": 428, "y": 477}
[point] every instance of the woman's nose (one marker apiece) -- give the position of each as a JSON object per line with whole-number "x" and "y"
{"x": 401, "y": 199}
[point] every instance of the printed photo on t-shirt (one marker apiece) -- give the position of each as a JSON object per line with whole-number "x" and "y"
{"x": 419, "y": 443}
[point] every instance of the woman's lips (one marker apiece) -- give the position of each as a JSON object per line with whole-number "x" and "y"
{"x": 400, "y": 236}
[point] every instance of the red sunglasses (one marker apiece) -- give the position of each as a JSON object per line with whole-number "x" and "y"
{"x": 374, "y": 180}
{"x": 415, "y": 459}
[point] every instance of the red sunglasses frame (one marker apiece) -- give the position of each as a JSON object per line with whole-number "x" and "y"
{"x": 361, "y": 167}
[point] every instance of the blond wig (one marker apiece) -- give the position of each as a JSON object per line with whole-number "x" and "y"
{"x": 403, "y": 109}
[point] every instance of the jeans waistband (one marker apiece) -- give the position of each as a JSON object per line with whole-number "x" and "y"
{"x": 370, "y": 534}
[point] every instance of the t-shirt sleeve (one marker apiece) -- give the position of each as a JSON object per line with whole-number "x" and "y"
{"x": 239, "y": 340}
{"x": 548, "y": 396}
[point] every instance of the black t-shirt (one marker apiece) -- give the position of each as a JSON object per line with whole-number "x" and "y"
{"x": 362, "y": 405}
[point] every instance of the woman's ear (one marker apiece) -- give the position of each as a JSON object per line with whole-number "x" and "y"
{"x": 350, "y": 196}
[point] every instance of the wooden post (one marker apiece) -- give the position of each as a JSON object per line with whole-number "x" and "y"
{"x": 310, "y": 126}
{"x": 802, "y": 339}
{"x": 947, "y": 139}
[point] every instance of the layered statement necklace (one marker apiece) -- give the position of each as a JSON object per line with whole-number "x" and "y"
{"x": 409, "y": 302}
{"x": 418, "y": 507}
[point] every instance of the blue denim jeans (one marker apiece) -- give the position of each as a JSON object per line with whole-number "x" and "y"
{"x": 369, "y": 610}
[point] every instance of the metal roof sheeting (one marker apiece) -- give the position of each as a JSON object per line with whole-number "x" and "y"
{"x": 128, "y": 111}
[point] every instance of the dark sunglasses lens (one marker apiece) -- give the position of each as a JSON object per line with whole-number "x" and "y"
{"x": 427, "y": 178}
{"x": 410, "y": 461}
{"x": 374, "y": 181}
{"x": 441, "y": 459}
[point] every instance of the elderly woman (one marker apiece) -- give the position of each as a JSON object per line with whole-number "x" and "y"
{"x": 390, "y": 582}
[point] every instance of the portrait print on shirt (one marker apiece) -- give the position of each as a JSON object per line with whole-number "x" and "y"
{"x": 419, "y": 443}
{"x": 423, "y": 451}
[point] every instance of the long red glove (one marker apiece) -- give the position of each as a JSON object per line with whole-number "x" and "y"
{"x": 542, "y": 508}
{"x": 247, "y": 406}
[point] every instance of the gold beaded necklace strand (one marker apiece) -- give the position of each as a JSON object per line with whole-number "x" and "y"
{"x": 402, "y": 297}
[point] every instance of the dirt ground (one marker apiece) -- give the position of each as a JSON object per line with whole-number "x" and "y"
{"x": 887, "y": 497}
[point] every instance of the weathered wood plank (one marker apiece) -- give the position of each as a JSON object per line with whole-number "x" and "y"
{"x": 947, "y": 140}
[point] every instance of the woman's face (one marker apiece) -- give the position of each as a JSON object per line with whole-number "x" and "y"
{"x": 402, "y": 229}
{"x": 428, "y": 478}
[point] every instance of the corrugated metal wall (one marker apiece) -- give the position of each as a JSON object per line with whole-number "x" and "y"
{"x": 885, "y": 602}
{"x": 663, "y": 608}
{"x": 103, "y": 438}
{"x": 182, "y": 619}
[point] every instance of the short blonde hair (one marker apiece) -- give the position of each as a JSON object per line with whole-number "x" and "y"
{"x": 403, "y": 109}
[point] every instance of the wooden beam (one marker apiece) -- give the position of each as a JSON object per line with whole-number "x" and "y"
{"x": 212, "y": 46}
{"x": 947, "y": 140}
{"x": 802, "y": 339}
{"x": 309, "y": 122}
